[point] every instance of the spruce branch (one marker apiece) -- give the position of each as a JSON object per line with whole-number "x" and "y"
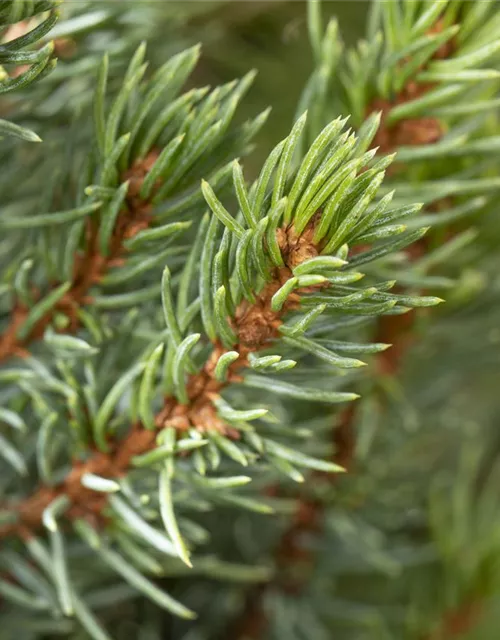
{"x": 401, "y": 104}
{"x": 396, "y": 131}
{"x": 272, "y": 249}
{"x": 394, "y": 72}
{"x": 393, "y": 76}
{"x": 30, "y": 324}
{"x": 119, "y": 219}
{"x": 466, "y": 46}
{"x": 159, "y": 388}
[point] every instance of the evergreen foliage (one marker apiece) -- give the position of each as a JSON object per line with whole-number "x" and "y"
{"x": 166, "y": 320}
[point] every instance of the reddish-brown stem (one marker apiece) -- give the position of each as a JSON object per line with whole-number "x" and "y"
{"x": 255, "y": 323}
{"x": 89, "y": 268}
{"x": 409, "y": 131}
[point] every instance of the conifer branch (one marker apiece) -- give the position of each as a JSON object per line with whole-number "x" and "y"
{"x": 406, "y": 131}
{"x": 411, "y": 131}
{"x": 137, "y": 419}
{"x": 89, "y": 268}
{"x": 283, "y": 255}
{"x": 120, "y": 216}
{"x": 255, "y": 325}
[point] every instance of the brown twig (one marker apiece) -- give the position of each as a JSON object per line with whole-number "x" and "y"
{"x": 410, "y": 131}
{"x": 89, "y": 267}
{"x": 255, "y": 324}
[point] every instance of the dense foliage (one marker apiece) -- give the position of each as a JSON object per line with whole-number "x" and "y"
{"x": 171, "y": 312}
